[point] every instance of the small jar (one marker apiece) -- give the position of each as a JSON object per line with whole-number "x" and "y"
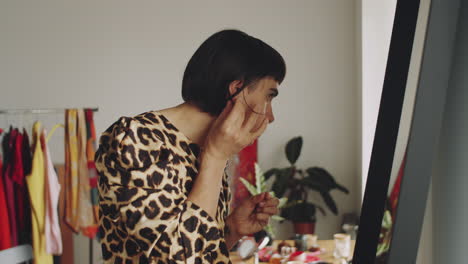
{"x": 300, "y": 241}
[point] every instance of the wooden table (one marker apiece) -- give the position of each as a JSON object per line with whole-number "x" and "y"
{"x": 327, "y": 255}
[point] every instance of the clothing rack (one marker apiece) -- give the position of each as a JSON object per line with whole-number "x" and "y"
{"x": 23, "y": 253}
{"x": 39, "y": 110}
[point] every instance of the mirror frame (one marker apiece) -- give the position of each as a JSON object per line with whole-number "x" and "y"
{"x": 386, "y": 133}
{"x": 425, "y": 130}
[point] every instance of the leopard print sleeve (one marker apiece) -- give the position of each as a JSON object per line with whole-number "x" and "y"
{"x": 144, "y": 181}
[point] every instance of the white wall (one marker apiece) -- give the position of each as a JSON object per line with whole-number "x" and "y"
{"x": 127, "y": 58}
{"x": 323, "y": 107}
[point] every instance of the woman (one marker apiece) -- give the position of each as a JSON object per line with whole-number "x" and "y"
{"x": 164, "y": 193}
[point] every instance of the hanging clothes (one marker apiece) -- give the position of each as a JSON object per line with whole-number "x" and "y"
{"x": 53, "y": 234}
{"x": 71, "y": 170}
{"x": 17, "y": 173}
{"x": 23, "y": 209}
{"x": 5, "y": 236}
{"x": 79, "y": 211}
{"x": 36, "y": 185}
{"x": 85, "y": 213}
{"x": 27, "y": 154}
{"x": 9, "y": 185}
{"x": 25, "y": 223}
{"x": 90, "y": 151}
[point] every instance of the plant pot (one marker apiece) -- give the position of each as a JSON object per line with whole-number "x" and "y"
{"x": 304, "y": 227}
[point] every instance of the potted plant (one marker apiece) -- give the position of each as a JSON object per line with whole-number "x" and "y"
{"x": 295, "y": 183}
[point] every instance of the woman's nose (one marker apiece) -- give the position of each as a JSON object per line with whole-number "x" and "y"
{"x": 270, "y": 115}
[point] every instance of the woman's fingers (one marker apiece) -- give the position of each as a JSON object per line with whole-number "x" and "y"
{"x": 252, "y": 119}
{"x": 258, "y": 198}
{"x": 271, "y": 210}
{"x": 226, "y": 111}
{"x": 271, "y": 202}
{"x": 229, "y": 133}
{"x": 237, "y": 113}
{"x": 260, "y": 130}
{"x": 238, "y": 117}
{"x": 268, "y": 205}
{"x": 262, "y": 217}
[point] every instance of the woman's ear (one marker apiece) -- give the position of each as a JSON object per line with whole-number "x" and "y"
{"x": 234, "y": 86}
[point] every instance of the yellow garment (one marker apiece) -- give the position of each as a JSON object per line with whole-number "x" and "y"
{"x": 53, "y": 130}
{"x": 36, "y": 187}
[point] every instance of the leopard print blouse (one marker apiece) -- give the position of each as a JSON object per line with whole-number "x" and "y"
{"x": 146, "y": 169}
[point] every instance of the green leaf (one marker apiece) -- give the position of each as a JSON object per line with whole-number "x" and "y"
{"x": 342, "y": 188}
{"x": 277, "y": 218}
{"x": 321, "y": 177}
{"x": 312, "y": 184}
{"x": 269, "y": 229}
{"x": 270, "y": 173}
{"x": 329, "y": 202}
{"x": 252, "y": 190}
{"x": 282, "y": 202}
{"x": 387, "y": 220}
{"x": 322, "y": 181}
{"x": 281, "y": 183}
{"x": 259, "y": 180}
{"x": 293, "y": 149}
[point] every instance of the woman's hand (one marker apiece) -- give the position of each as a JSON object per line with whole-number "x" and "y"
{"x": 230, "y": 133}
{"x": 252, "y": 215}
{"x": 234, "y": 129}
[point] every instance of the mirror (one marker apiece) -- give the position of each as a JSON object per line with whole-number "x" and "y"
{"x": 399, "y": 157}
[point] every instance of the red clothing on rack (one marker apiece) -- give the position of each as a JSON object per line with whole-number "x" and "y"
{"x": 26, "y": 224}
{"x": 23, "y": 209}
{"x": 27, "y": 153}
{"x": 17, "y": 163}
{"x": 8, "y": 146}
{"x": 17, "y": 174}
{"x": 5, "y": 236}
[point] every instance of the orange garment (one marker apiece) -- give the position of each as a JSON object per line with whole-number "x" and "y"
{"x": 71, "y": 170}
{"x": 85, "y": 209}
{"x": 79, "y": 211}
{"x": 93, "y": 175}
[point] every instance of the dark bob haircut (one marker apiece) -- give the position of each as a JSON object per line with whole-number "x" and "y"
{"x": 224, "y": 57}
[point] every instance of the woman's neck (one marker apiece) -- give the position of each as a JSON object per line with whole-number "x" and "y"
{"x": 190, "y": 121}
